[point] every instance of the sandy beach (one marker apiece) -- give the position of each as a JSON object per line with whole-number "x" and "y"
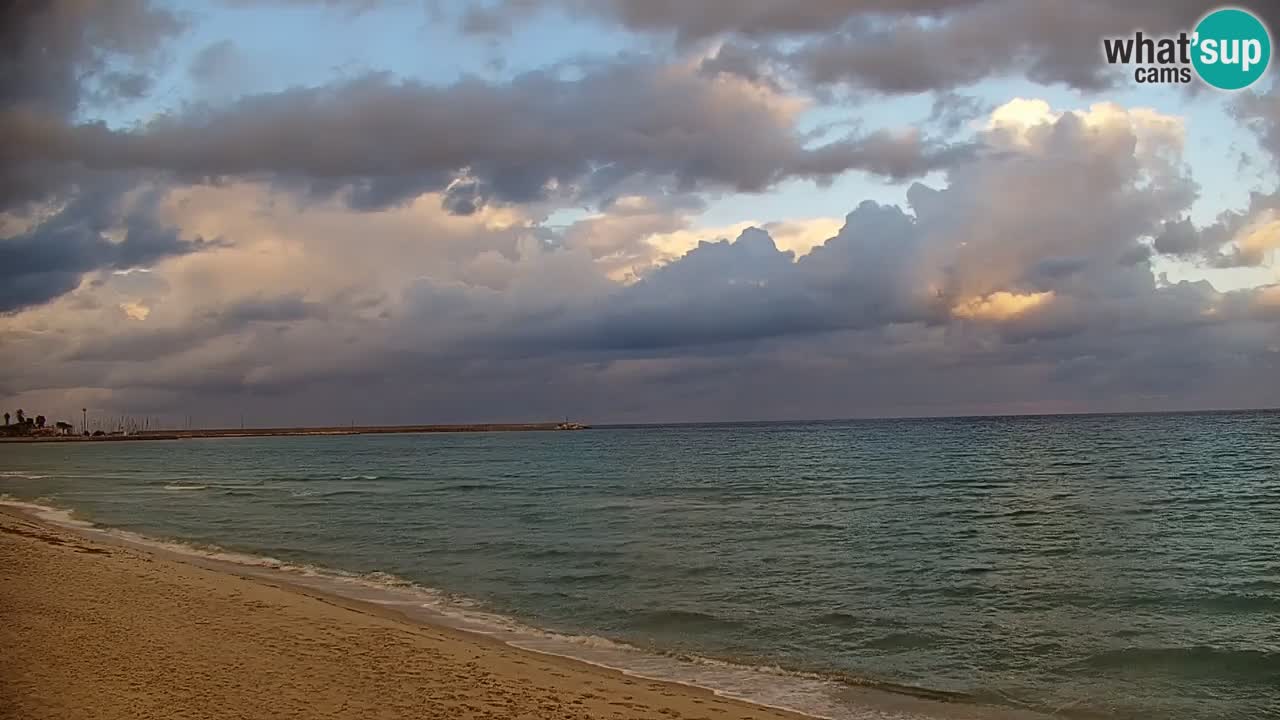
{"x": 99, "y": 631}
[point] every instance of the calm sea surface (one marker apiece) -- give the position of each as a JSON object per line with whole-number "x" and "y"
{"x": 1099, "y": 566}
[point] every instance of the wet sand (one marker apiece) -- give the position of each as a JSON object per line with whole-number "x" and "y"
{"x": 94, "y": 630}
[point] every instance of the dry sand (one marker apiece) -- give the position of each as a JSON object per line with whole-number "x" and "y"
{"x": 90, "y": 630}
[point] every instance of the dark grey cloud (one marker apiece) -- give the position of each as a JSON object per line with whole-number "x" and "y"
{"x": 355, "y": 7}
{"x": 1048, "y": 42}
{"x": 896, "y": 47}
{"x": 52, "y": 258}
{"x": 1260, "y": 111}
{"x": 61, "y": 57}
{"x": 541, "y": 136}
{"x": 211, "y": 64}
{"x": 464, "y": 197}
{"x": 951, "y": 111}
{"x": 750, "y": 62}
{"x": 115, "y": 87}
{"x": 1217, "y": 245}
{"x": 1214, "y": 244}
{"x": 223, "y": 71}
{"x": 52, "y": 52}
{"x": 691, "y": 21}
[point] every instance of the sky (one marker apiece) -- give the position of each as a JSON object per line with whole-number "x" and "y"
{"x": 410, "y": 211}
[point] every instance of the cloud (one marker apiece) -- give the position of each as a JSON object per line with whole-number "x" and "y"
{"x": 887, "y": 47}
{"x": 1261, "y": 112}
{"x": 541, "y": 136}
{"x": 1245, "y": 237}
{"x": 952, "y": 110}
{"x": 52, "y": 52}
{"x": 1003, "y": 243}
{"x": 695, "y": 21}
{"x": 97, "y": 230}
{"x": 353, "y": 7}
{"x": 1001, "y": 306}
{"x": 220, "y": 72}
{"x": 994, "y": 274}
{"x": 1019, "y": 277}
{"x": 135, "y": 310}
{"x": 64, "y": 57}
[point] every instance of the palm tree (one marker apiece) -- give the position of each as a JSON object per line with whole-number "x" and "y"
{"x": 22, "y": 416}
{"x": 40, "y": 421}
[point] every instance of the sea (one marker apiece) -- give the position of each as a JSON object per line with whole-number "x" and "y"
{"x": 1090, "y": 566}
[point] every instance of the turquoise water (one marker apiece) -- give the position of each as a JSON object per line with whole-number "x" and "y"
{"x": 1099, "y": 566}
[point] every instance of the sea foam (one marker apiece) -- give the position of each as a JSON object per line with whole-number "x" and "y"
{"x": 803, "y": 693}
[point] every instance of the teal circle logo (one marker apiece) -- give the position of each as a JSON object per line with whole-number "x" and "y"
{"x": 1231, "y": 49}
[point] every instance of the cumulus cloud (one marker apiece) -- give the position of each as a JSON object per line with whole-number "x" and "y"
{"x": 574, "y": 135}
{"x": 994, "y": 274}
{"x": 385, "y": 141}
{"x": 209, "y": 257}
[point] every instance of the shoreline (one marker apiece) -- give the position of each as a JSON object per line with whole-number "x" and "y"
{"x": 489, "y": 680}
{"x": 496, "y": 648}
{"x": 323, "y": 431}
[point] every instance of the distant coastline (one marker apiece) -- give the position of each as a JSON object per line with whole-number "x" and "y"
{"x": 300, "y": 432}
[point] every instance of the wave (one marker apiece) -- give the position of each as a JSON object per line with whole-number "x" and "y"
{"x": 1071, "y": 463}
{"x": 21, "y": 475}
{"x": 840, "y": 620}
{"x": 1022, "y": 512}
{"x": 321, "y": 478}
{"x": 1234, "y": 602}
{"x": 183, "y": 486}
{"x": 544, "y": 553}
{"x": 56, "y": 516}
{"x": 683, "y": 621}
{"x": 587, "y": 578}
{"x": 899, "y": 641}
{"x": 1198, "y": 661}
{"x": 1248, "y": 597}
{"x": 330, "y": 493}
{"x": 817, "y": 694}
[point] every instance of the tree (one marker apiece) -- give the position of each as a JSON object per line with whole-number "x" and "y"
{"x": 6, "y": 418}
{"x": 22, "y": 417}
{"x": 40, "y": 421}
